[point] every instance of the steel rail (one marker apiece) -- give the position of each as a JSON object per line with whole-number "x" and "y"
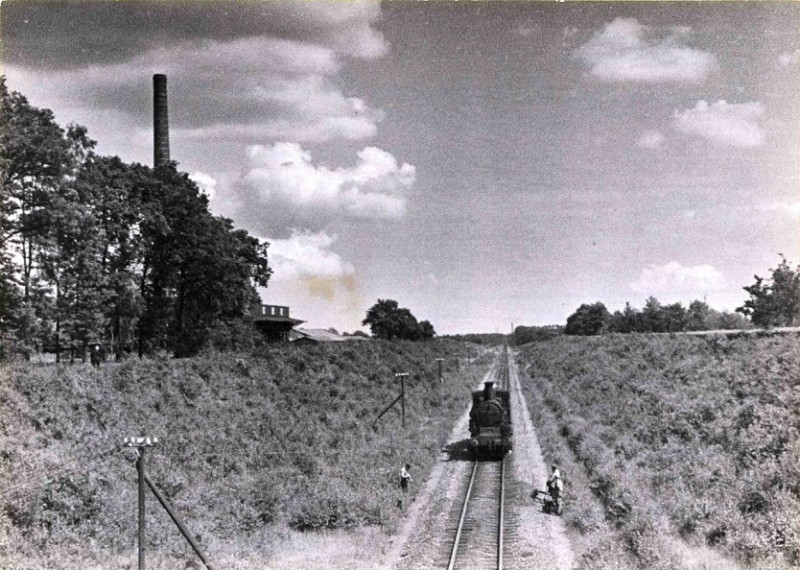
{"x": 500, "y": 523}
{"x": 463, "y": 516}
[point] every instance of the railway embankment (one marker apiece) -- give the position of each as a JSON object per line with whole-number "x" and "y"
{"x": 677, "y": 451}
{"x": 256, "y": 453}
{"x": 531, "y": 539}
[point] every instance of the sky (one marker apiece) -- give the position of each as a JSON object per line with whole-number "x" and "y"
{"x": 484, "y": 164}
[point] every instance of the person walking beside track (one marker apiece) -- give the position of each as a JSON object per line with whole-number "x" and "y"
{"x": 555, "y": 486}
{"x": 555, "y": 474}
{"x": 97, "y": 355}
{"x": 405, "y": 477}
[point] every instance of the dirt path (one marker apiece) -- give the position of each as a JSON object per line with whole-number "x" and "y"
{"x": 542, "y": 539}
{"x": 538, "y": 540}
{"x": 419, "y": 543}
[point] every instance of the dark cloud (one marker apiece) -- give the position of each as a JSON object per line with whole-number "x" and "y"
{"x": 225, "y": 81}
{"x": 59, "y": 35}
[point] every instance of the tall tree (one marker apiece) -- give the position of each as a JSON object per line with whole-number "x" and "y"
{"x": 196, "y": 270}
{"x": 774, "y": 302}
{"x": 36, "y": 158}
{"x": 114, "y": 193}
{"x": 95, "y": 248}
{"x": 698, "y": 316}
{"x": 673, "y": 318}
{"x": 652, "y": 316}
{"x": 68, "y": 256}
{"x": 588, "y": 320}
{"x": 426, "y": 330}
{"x": 389, "y": 321}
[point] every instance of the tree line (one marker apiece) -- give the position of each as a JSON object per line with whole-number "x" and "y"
{"x": 96, "y": 250}
{"x": 387, "y": 320}
{"x": 773, "y": 302}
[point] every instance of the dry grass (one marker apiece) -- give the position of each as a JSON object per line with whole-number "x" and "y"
{"x": 250, "y": 444}
{"x": 689, "y": 444}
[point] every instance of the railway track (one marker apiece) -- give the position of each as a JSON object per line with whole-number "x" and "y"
{"x": 480, "y": 515}
{"x": 479, "y": 536}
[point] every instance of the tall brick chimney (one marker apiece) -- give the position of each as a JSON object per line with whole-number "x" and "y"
{"x": 160, "y": 121}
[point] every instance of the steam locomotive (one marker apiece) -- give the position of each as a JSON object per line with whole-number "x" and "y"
{"x": 490, "y": 422}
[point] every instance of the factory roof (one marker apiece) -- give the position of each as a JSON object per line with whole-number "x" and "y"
{"x": 320, "y": 335}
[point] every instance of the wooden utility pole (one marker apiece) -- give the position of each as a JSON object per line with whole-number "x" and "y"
{"x": 402, "y": 376}
{"x": 140, "y": 474}
{"x": 141, "y": 444}
{"x": 401, "y": 398}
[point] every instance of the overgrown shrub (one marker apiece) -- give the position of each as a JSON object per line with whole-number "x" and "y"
{"x": 700, "y": 434}
{"x": 281, "y": 436}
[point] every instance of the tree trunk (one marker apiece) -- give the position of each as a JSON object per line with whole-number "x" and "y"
{"x": 58, "y": 325}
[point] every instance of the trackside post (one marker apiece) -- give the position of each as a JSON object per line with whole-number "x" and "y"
{"x": 401, "y": 398}
{"x": 142, "y": 443}
{"x": 402, "y": 376}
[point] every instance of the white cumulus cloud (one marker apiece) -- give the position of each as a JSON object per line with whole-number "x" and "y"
{"x": 726, "y": 124}
{"x": 650, "y": 139}
{"x": 627, "y": 51}
{"x": 675, "y": 278}
{"x": 306, "y": 255}
{"x": 205, "y": 182}
{"x": 285, "y": 187}
{"x": 791, "y": 209}
{"x": 788, "y": 58}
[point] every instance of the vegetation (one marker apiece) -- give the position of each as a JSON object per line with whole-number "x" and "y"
{"x": 594, "y": 319}
{"x": 487, "y": 339}
{"x": 97, "y": 250}
{"x": 775, "y": 303}
{"x": 388, "y": 321}
{"x": 772, "y": 303}
{"x": 588, "y": 320}
{"x": 683, "y": 440}
{"x": 523, "y": 335}
{"x": 249, "y": 445}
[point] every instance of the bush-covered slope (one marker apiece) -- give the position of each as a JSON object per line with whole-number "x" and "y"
{"x": 285, "y": 436}
{"x": 680, "y": 436}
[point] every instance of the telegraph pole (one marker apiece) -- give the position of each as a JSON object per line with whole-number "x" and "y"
{"x": 402, "y": 376}
{"x": 141, "y": 444}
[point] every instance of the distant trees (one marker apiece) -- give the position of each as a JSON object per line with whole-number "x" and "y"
{"x": 389, "y": 321}
{"x": 593, "y": 319}
{"x": 588, "y": 320}
{"x": 487, "y": 339}
{"x": 97, "y": 250}
{"x": 360, "y": 334}
{"x": 524, "y": 335}
{"x": 774, "y": 302}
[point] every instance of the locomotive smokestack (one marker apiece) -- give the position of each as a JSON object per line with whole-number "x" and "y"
{"x": 160, "y": 121}
{"x": 488, "y": 391}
